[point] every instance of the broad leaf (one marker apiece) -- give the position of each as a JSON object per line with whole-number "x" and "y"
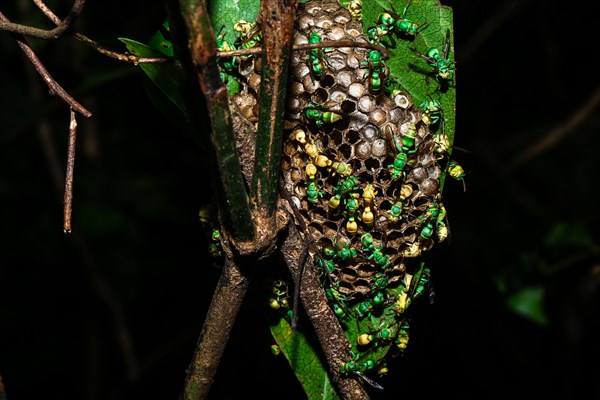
{"x": 412, "y": 72}
{"x": 305, "y": 361}
{"x": 164, "y": 75}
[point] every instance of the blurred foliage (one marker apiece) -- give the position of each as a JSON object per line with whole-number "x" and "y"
{"x": 528, "y": 229}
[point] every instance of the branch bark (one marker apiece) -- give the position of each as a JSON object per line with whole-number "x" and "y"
{"x": 54, "y": 87}
{"x": 233, "y": 204}
{"x": 214, "y": 336}
{"x": 331, "y": 336}
{"x": 54, "y": 33}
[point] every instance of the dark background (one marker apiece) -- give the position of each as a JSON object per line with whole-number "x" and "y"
{"x": 113, "y": 310}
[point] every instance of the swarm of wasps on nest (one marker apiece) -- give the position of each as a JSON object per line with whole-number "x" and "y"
{"x": 362, "y": 165}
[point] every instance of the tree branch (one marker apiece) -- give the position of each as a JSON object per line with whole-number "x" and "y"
{"x": 54, "y": 87}
{"x": 68, "y": 198}
{"x": 331, "y": 336}
{"x": 277, "y": 27}
{"x": 26, "y": 30}
{"x": 222, "y": 313}
{"x": 234, "y": 204}
{"x": 97, "y": 46}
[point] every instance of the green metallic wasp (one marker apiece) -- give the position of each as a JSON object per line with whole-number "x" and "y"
{"x": 349, "y": 184}
{"x": 399, "y": 24}
{"x": 402, "y": 338}
{"x": 344, "y": 252}
{"x": 279, "y": 298}
{"x": 432, "y": 113}
{"x": 312, "y": 191}
{"x": 340, "y": 168}
{"x": 383, "y": 335}
{"x": 401, "y": 151}
{"x": 249, "y": 36}
{"x": 352, "y": 205}
{"x": 358, "y": 368}
{"x": 427, "y": 231}
{"x": 439, "y": 61}
{"x": 314, "y": 57}
{"x": 325, "y": 264}
{"x": 380, "y": 281}
{"x": 432, "y": 221}
{"x": 397, "y": 168}
{"x": 457, "y": 172}
{"x": 379, "y": 298}
{"x": 354, "y": 7}
{"x": 408, "y": 139}
{"x": 397, "y": 208}
{"x": 391, "y": 22}
{"x": 275, "y": 350}
{"x": 337, "y": 301}
{"x": 215, "y": 248}
{"x": 364, "y": 308}
{"x": 433, "y": 116}
{"x": 432, "y": 213}
{"x": 227, "y": 64}
{"x": 415, "y": 285}
{"x": 342, "y": 192}
{"x": 374, "y": 252}
{"x": 395, "y": 213}
{"x": 378, "y": 71}
{"x": 320, "y": 113}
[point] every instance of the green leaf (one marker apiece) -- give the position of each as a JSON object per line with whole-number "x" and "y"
{"x": 165, "y": 91}
{"x": 305, "y": 361}
{"x": 413, "y": 73}
{"x": 164, "y": 75}
{"x": 225, "y": 13}
{"x": 159, "y": 42}
{"x": 574, "y": 234}
{"x": 528, "y": 302}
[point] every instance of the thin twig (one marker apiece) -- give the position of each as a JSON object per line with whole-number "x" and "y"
{"x": 54, "y": 33}
{"x": 97, "y": 46}
{"x": 325, "y": 44}
{"x": 68, "y": 198}
{"x": 54, "y": 87}
{"x": 560, "y": 132}
{"x": 344, "y": 43}
{"x": 97, "y": 280}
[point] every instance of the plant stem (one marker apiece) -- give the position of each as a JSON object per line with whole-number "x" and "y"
{"x": 214, "y": 336}
{"x": 277, "y": 27}
{"x": 326, "y": 325}
{"x": 234, "y": 204}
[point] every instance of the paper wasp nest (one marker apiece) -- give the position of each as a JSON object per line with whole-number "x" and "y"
{"x": 362, "y": 167}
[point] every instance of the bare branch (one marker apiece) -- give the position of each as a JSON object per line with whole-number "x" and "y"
{"x": 329, "y": 332}
{"x": 26, "y": 30}
{"x": 344, "y": 43}
{"x": 328, "y": 43}
{"x": 97, "y": 46}
{"x": 224, "y": 307}
{"x": 68, "y": 199}
{"x": 54, "y": 87}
